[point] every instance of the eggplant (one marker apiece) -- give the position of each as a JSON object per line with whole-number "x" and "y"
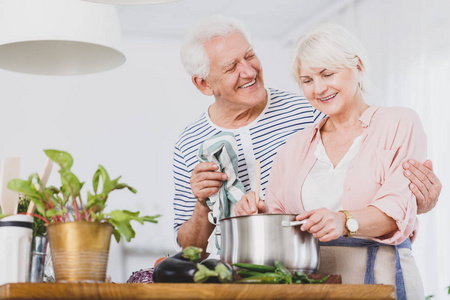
{"x": 222, "y": 268}
{"x": 174, "y": 269}
{"x": 183, "y": 267}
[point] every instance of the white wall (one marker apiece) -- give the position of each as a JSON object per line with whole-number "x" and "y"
{"x": 127, "y": 120}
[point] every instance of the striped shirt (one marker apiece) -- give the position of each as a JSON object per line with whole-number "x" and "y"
{"x": 285, "y": 114}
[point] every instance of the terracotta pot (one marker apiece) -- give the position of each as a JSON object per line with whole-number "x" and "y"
{"x": 79, "y": 250}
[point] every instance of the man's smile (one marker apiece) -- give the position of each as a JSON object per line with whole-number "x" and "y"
{"x": 248, "y": 84}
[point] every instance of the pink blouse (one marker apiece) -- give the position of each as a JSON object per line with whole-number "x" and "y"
{"x": 375, "y": 176}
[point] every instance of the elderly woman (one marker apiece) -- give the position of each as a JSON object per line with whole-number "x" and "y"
{"x": 344, "y": 175}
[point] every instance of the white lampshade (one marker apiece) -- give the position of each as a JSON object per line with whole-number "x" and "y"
{"x": 59, "y": 37}
{"x": 131, "y": 2}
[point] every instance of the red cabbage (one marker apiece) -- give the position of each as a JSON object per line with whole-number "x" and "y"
{"x": 141, "y": 276}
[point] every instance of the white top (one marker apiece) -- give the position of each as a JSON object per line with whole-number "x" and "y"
{"x": 324, "y": 184}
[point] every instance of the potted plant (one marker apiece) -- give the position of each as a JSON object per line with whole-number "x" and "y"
{"x": 79, "y": 231}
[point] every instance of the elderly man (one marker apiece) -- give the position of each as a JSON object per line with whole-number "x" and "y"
{"x": 217, "y": 53}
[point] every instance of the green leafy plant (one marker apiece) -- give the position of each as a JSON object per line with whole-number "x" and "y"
{"x": 65, "y": 204}
{"x": 38, "y": 223}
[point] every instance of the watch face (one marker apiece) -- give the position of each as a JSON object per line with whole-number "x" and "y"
{"x": 352, "y": 225}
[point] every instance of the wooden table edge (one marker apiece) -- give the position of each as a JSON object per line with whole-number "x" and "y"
{"x": 193, "y": 291}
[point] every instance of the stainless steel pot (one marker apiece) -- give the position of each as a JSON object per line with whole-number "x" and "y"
{"x": 264, "y": 238}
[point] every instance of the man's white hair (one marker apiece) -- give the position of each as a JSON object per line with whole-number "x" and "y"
{"x": 193, "y": 54}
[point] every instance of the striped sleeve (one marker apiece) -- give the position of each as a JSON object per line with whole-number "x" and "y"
{"x": 184, "y": 201}
{"x": 184, "y": 161}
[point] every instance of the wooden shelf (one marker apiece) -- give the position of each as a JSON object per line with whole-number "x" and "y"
{"x": 193, "y": 291}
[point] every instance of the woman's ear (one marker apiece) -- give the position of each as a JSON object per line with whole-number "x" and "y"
{"x": 360, "y": 65}
{"x": 202, "y": 85}
{"x": 360, "y": 68}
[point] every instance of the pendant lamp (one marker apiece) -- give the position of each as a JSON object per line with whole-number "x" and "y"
{"x": 131, "y": 2}
{"x": 59, "y": 37}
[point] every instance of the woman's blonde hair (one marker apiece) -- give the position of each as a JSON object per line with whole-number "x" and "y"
{"x": 328, "y": 46}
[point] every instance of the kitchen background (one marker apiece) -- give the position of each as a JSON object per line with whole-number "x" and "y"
{"x": 128, "y": 119}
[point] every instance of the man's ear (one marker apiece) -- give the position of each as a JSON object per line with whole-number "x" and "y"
{"x": 202, "y": 85}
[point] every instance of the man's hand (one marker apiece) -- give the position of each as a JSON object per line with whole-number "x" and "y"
{"x": 424, "y": 184}
{"x": 247, "y": 205}
{"x": 206, "y": 181}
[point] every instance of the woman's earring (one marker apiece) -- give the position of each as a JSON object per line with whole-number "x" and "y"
{"x": 360, "y": 85}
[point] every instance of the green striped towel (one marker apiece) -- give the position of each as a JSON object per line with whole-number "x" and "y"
{"x": 222, "y": 150}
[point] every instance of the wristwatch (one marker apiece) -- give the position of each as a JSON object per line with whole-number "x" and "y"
{"x": 351, "y": 224}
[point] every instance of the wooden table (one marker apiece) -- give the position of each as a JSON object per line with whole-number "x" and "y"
{"x": 193, "y": 291}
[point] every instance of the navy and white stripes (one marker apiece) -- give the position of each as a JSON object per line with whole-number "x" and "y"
{"x": 285, "y": 114}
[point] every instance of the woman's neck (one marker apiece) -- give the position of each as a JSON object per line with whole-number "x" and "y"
{"x": 347, "y": 121}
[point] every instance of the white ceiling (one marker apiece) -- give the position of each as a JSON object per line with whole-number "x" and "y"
{"x": 265, "y": 18}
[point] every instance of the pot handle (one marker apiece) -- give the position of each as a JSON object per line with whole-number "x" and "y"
{"x": 293, "y": 223}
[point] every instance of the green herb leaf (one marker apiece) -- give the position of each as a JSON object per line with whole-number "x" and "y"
{"x": 71, "y": 185}
{"x": 123, "y": 185}
{"x": 107, "y": 185}
{"x": 150, "y": 219}
{"x": 117, "y": 235}
{"x": 24, "y": 187}
{"x": 121, "y": 220}
{"x": 51, "y": 213}
{"x": 95, "y": 180}
{"x": 63, "y": 159}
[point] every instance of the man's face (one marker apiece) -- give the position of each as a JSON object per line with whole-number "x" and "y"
{"x": 235, "y": 76}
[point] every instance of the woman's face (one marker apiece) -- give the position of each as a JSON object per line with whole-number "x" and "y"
{"x": 333, "y": 92}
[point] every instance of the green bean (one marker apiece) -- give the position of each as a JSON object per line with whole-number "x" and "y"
{"x": 322, "y": 280}
{"x": 266, "y": 278}
{"x": 286, "y": 275}
{"x": 300, "y": 277}
{"x": 247, "y": 273}
{"x": 254, "y": 267}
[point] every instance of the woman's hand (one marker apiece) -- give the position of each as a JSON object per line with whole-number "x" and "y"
{"x": 247, "y": 205}
{"x": 324, "y": 224}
